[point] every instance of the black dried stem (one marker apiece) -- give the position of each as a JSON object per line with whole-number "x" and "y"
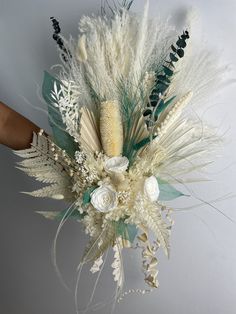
{"x": 56, "y": 36}
{"x": 163, "y": 78}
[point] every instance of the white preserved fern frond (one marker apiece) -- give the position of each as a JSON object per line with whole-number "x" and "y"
{"x": 66, "y": 100}
{"x": 100, "y": 243}
{"x": 97, "y": 265}
{"x": 154, "y": 222}
{"x": 117, "y": 265}
{"x": 39, "y": 162}
{"x": 55, "y": 191}
{"x": 149, "y": 215}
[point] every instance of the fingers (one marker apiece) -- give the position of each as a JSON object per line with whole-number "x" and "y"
{"x": 15, "y": 130}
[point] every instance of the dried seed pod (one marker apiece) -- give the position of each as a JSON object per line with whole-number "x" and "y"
{"x": 81, "y": 52}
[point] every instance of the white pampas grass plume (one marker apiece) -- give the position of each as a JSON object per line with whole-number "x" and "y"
{"x": 111, "y": 128}
{"x": 81, "y": 51}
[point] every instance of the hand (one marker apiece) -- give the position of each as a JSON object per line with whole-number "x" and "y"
{"x": 15, "y": 130}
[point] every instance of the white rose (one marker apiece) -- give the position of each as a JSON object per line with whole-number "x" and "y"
{"x": 104, "y": 198}
{"x": 116, "y": 164}
{"x": 151, "y": 188}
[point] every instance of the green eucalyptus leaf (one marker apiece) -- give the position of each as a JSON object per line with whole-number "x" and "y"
{"x": 163, "y": 105}
{"x": 73, "y": 213}
{"x": 173, "y": 58}
{"x": 181, "y": 43}
{"x": 161, "y": 87}
{"x": 180, "y": 53}
{"x": 142, "y": 143}
{"x": 161, "y": 78}
{"x": 167, "y": 191}
{"x": 173, "y": 48}
{"x": 60, "y": 135}
{"x": 167, "y": 71}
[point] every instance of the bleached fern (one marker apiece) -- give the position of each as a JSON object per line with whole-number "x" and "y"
{"x": 98, "y": 245}
{"x": 154, "y": 221}
{"x": 149, "y": 215}
{"x": 66, "y": 100}
{"x": 97, "y": 265}
{"x": 48, "y": 164}
{"x": 117, "y": 265}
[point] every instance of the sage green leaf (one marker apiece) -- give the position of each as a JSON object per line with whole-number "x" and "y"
{"x": 126, "y": 231}
{"x": 87, "y": 195}
{"x": 167, "y": 191}
{"x": 60, "y": 135}
{"x": 59, "y": 215}
{"x": 73, "y": 213}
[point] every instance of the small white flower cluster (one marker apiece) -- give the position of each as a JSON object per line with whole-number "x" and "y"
{"x": 80, "y": 157}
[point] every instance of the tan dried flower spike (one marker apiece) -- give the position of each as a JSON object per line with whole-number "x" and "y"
{"x": 111, "y": 128}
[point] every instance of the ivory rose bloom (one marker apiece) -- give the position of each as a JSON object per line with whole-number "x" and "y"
{"x": 104, "y": 198}
{"x": 116, "y": 164}
{"x": 151, "y": 188}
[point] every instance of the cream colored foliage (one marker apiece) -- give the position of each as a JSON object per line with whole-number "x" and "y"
{"x": 89, "y": 131}
{"x": 39, "y": 162}
{"x": 121, "y": 49}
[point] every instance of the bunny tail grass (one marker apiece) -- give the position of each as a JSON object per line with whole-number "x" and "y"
{"x": 111, "y": 128}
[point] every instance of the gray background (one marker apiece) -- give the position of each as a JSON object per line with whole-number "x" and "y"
{"x": 200, "y": 277}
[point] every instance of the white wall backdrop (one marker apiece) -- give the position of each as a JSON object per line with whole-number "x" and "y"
{"x": 200, "y": 277}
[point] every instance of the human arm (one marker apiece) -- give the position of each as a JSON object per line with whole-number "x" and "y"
{"x": 15, "y": 130}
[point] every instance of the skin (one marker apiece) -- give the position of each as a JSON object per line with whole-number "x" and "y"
{"x": 15, "y": 130}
